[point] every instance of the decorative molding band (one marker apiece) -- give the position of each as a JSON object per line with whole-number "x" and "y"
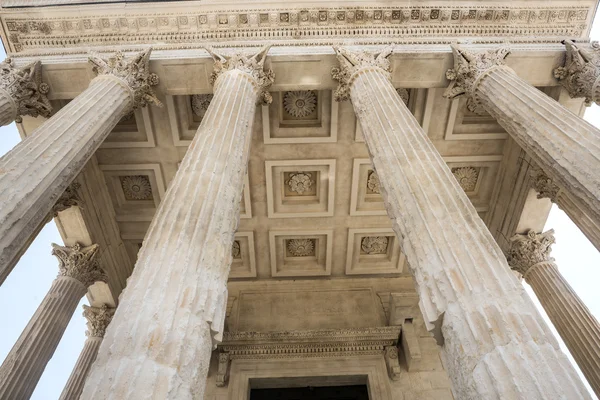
{"x": 294, "y": 26}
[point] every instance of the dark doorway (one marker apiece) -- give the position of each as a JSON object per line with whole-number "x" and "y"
{"x": 355, "y": 392}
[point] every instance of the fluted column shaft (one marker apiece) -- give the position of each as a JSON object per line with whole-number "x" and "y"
{"x": 24, "y": 365}
{"x": 576, "y": 325}
{"x": 74, "y": 386}
{"x": 172, "y": 312}
{"x": 27, "y": 360}
{"x": 565, "y": 146}
{"x": 35, "y": 173}
{"x": 495, "y": 344}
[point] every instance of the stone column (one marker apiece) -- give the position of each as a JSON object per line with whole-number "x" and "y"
{"x": 22, "y": 92}
{"x": 98, "y": 319}
{"x": 24, "y": 365}
{"x": 172, "y": 312}
{"x": 35, "y": 173}
{"x": 530, "y": 255}
{"x": 546, "y": 188}
{"x": 565, "y": 146}
{"x": 494, "y": 342}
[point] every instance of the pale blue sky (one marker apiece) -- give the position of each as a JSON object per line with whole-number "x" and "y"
{"x": 22, "y": 292}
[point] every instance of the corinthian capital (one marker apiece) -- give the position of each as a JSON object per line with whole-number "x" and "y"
{"x": 98, "y": 319}
{"x": 469, "y": 68}
{"x": 25, "y": 88}
{"x": 351, "y": 62}
{"x": 133, "y": 72}
{"x": 543, "y": 185}
{"x": 529, "y": 250}
{"x": 252, "y": 64}
{"x": 79, "y": 263}
{"x": 69, "y": 198}
{"x": 581, "y": 73}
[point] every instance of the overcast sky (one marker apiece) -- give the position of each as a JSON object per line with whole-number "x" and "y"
{"x": 26, "y": 286}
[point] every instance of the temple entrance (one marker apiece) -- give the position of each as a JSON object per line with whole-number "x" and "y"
{"x": 353, "y": 392}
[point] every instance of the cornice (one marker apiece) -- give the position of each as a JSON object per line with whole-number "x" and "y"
{"x": 30, "y": 30}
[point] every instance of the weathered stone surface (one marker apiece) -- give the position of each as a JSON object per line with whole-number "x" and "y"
{"x": 561, "y": 143}
{"x": 581, "y": 73}
{"x": 495, "y": 344}
{"x": 36, "y": 172}
{"x": 530, "y": 256}
{"x": 172, "y": 312}
{"x": 24, "y": 365}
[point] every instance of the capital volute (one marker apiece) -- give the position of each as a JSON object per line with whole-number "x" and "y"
{"x": 134, "y": 73}
{"x": 25, "y": 88}
{"x": 80, "y": 263}
{"x": 252, "y": 64}
{"x": 469, "y": 68}
{"x": 543, "y": 185}
{"x": 580, "y": 75}
{"x": 352, "y": 62}
{"x": 98, "y": 319}
{"x": 529, "y": 250}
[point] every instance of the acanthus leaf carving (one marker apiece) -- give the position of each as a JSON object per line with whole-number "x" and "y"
{"x": 98, "y": 319}
{"x": 580, "y": 75}
{"x": 300, "y": 182}
{"x": 530, "y": 249}
{"x": 79, "y": 263}
{"x": 133, "y": 72}
{"x": 543, "y": 185}
{"x": 26, "y": 89}
{"x": 353, "y": 61}
{"x": 69, "y": 198}
{"x": 469, "y": 68}
{"x": 253, "y": 65}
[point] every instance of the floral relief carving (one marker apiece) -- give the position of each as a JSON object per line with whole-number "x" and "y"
{"x": 529, "y": 250}
{"x": 352, "y": 61}
{"x": 25, "y": 87}
{"x": 253, "y": 65}
{"x": 466, "y": 177}
{"x": 300, "y": 182}
{"x": 200, "y": 103}
{"x": 136, "y": 187}
{"x": 134, "y": 72}
{"x": 581, "y": 72}
{"x": 373, "y": 184}
{"x": 301, "y": 247}
{"x": 236, "y": 251}
{"x": 98, "y": 319}
{"x": 374, "y": 244}
{"x": 300, "y": 103}
{"x": 79, "y": 263}
{"x": 469, "y": 67}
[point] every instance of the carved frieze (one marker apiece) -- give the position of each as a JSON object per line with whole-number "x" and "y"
{"x": 396, "y": 24}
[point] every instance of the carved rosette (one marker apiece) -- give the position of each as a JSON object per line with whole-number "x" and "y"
{"x": 300, "y": 103}
{"x": 98, "y": 319}
{"x": 79, "y": 263}
{"x": 469, "y": 68}
{"x": 136, "y": 187}
{"x": 300, "y": 182}
{"x": 529, "y": 250}
{"x": 253, "y": 65}
{"x": 543, "y": 185}
{"x": 200, "y": 103}
{"x": 352, "y": 62}
{"x": 301, "y": 247}
{"x": 69, "y": 198}
{"x": 236, "y": 251}
{"x": 373, "y": 182}
{"x": 374, "y": 244}
{"x": 25, "y": 88}
{"x": 134, "y": 73}
{"x": 581, "y": 73}
{"x": 466, "y": 177}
